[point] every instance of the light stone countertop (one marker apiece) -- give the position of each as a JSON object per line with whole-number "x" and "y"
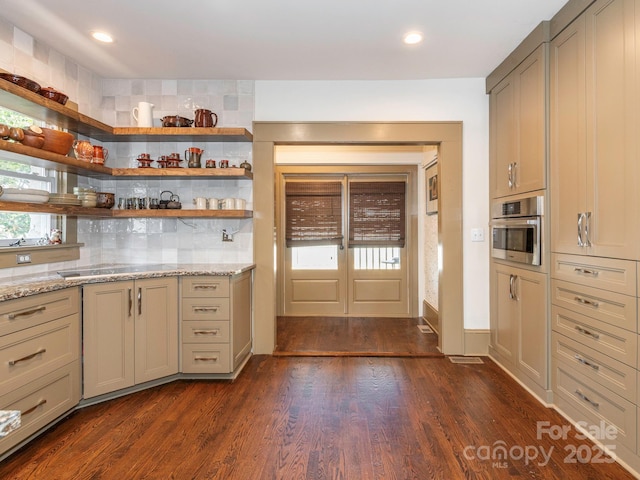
{"x": 18, "y": 287}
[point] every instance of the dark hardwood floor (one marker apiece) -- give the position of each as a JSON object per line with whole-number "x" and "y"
{"x": 314, "y": 418}
{"x": 358, "y": 336}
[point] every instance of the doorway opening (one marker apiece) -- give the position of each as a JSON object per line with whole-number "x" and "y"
{"x": 446, "y": 135}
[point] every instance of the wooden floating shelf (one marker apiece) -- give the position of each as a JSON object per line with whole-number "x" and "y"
{"x": 36, "y": 106}
{"x": 72, "y": 210}
{"x": 62, "y": 163}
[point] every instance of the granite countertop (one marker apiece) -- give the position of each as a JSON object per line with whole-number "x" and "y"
{"x": 18, "y": 287}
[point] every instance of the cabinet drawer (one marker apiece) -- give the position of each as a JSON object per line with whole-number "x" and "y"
{"x": 28, "y": 354}
{"x": 26, "y": 312}
{"x": 605, "y": 273}
{"x": 205, "y": 309}
{"x": 211, "y": 358}
{"x": 205, "y": 286}
{"x": 617, "y": 343}
{"x": 612, "y": 308}
{"x": 205, "y": 332}
{"x": 41, "y": 402}
{"x": 609, "y": 373}
{"x": 586, "y": 401}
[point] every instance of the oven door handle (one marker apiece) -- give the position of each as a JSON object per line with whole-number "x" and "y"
{"x": 515, "y": 222}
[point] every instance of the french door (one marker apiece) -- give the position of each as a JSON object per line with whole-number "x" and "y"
{"x": 354, "y": 259}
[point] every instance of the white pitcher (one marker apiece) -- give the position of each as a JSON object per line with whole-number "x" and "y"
{"x": 143, "y": 114}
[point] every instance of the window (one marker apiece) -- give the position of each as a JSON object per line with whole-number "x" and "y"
{"x": 313, "y": 213}
{"x": 24, "y": 228}
{"x": 28, "y": 228}
{"x": 376, "y": 214}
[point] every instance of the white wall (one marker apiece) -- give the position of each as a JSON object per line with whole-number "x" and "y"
{"x": 421, "y": 100}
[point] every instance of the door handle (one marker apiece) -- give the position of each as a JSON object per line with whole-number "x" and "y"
{"x": 510, "y": 175}
{"x": 130, "y": 302}
{"x": 139, "y": 301}
{"x": 512, "y": 287}
{"x": 587, "y": 224}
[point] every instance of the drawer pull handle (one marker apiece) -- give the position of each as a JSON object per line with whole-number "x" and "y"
{"x": 32, "y": 409}
{"x": 585, "y": 271}
{"x": 584, "y": 301}
{"x": 206, "y": 359}
{"x": 206, "y": 332}
{"x": 205, "y": 309}
{"x": 28, "y": 357}
{"x": 587, "y": 399}
{"x": 205, "y": 287}
{"x": 587, "y": 362}
{"x": 14, "y": 315}
{"x": 587, "y": 332}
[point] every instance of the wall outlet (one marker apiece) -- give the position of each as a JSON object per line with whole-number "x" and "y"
{"x": 23, "y": 258}
{"x": 477, "y": 234}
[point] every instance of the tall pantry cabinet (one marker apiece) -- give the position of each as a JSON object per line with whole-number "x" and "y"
{"x": 518, "y": 167}
{"x": 595, "y": 239}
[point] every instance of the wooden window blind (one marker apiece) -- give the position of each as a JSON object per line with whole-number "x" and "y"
{"x": 377, "y": 214}
{"x": 313, "y": 213}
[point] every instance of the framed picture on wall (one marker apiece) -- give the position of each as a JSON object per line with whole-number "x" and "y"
{"x": 432, "y": 189}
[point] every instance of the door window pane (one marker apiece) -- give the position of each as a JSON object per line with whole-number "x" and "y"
{"x": 323, "y": 257}
{"x": 376, "y": 258}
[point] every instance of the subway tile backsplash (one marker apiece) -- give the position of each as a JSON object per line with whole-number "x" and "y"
{"x": 139, "y": 240}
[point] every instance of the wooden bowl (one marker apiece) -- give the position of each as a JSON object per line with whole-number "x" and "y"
{"x": 56, "y": 141}
{"x": 32, "y": 138}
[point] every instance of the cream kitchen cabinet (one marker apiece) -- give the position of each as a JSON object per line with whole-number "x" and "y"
{"x": 39, "y": 360}
{"x": 519, "y": 320}
{"x": 216, "y": 323}
{"x": 517, "y": 128}
{"x": 130, "y": 333}
{"x": 519, "y": 324}
{"x": 594, "y": 173}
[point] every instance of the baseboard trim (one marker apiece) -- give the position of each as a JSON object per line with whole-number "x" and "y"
{"x": 430, "y": 316}
{"x": 476, "y": 342}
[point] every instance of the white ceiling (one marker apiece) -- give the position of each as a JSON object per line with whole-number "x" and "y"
{"x": 283, "y": 39}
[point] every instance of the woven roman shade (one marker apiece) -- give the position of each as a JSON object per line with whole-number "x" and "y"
{"x": 313, "y": 213}
{"x": 377, "y": 214}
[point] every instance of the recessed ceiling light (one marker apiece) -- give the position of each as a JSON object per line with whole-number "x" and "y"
{"x": 412, "y": 38}
{"x": 102, "y": 37}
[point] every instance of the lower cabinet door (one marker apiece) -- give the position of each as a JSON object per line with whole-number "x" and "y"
{"x": 108, "y": 337}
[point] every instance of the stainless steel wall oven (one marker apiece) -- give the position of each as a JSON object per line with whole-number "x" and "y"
{"x": 516, "y": 229}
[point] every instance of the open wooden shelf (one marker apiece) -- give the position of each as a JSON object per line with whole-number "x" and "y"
{"x": 36, "y": 106}
{"x": 72, "y": 210}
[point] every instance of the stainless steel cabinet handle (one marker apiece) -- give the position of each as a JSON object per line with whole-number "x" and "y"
{"x": 205, "y": 287}
{"x": 587, "y": 332}
{"x": 206, "y": 332}
{"x": 32, "y": 409}
{"x": 586, "y": 362}
{"x": 139, "y": 301}
{"x": 31, "y": 311}
{"x": 586, "y": 399}
{"x": 580, "y": 219}
{"x": 206, "y": 359}
{"x": 587, "y": 224}
{"x": 514, "y": 175}
{"x": 205, "y": 309}
{"x": 28, "y": 357}
{"x": 593, "y": 273}
{"x": 512, "y": 287}
{"x": 511, "y": 175}
{"x": 130, "y": 302}
{"x": 584, "y": 301}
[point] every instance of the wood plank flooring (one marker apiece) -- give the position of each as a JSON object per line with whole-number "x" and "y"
{"x": 313, "y": 418}
{"x": 358, "y": 336}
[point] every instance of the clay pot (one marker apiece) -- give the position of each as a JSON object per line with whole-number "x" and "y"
{"x": 105, "y": 200}
{"x": 54, "y": 95}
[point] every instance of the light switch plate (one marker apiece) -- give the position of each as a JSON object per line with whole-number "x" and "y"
{"x": 477, "y": 234}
